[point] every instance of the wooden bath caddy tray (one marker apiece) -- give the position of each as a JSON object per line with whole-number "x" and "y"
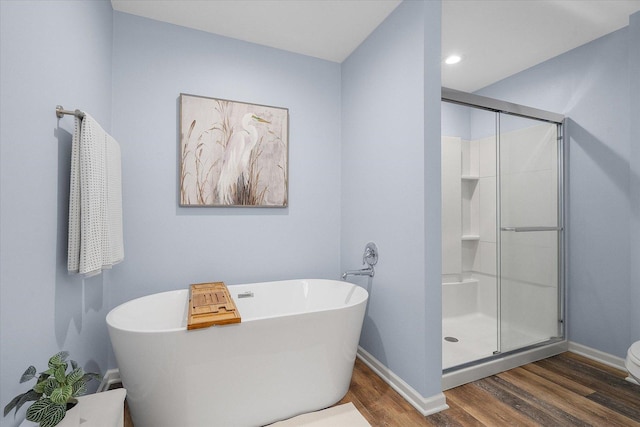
{"x": 211, "y": 304}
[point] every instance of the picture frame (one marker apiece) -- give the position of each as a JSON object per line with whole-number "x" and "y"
{"x": 233, "y": 154}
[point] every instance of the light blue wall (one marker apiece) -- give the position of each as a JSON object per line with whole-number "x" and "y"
{"x": 169, "y": 247}
{"x": 391, "y": 189}
{"x": 591, "y": 86}
{"x": 634, "y": 160}
{"x": 388, "y": 183}
{"x": 432, "y": 201}
{"x": 51, "y": 53}
{"x": 456, "y": 120}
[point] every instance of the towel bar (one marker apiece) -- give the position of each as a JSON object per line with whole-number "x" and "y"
{"x": 60, "y": 112}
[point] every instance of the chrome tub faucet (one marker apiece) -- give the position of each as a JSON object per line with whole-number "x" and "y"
{"x": 369, "y": 258}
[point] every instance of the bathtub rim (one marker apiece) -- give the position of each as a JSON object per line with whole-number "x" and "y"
{"x": 111, "y": 312}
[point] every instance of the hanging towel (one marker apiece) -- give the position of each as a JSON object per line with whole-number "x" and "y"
{"x": 95, "y": 200}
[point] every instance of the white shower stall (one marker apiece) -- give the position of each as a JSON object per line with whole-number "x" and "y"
{"x": 502, "y": 232}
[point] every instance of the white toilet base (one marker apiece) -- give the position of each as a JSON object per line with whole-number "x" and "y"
{"x": 632, "y": 363}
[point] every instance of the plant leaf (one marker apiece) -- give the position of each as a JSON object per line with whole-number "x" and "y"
{"x": 39, "y": 387}
{"x": 75, "y": 375}
{"x": 27, "y": 397}
{"x": 61, "y": 394}
{"x": 60, "y": 373}
{"x": 53, "y": 415}
{"x": 58, "y": 359}
{"x": 49, "y": 386}
{"x": 37, "y": 411}
{"x": 28, "y": 374}
{"x": 12, "y": 404}
{"x": 79, "y": 388}
{"x": 91, "y": 376}
{"x": 74, "y": 364}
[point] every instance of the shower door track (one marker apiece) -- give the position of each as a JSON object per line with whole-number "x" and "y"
{"x": 496, "y": 105}
{"x": 499, "y": 356}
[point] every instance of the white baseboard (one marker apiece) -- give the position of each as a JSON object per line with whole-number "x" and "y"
{"x": 424, "y": 405}
{"x": 602, "y": 357}
{"x": 112, "y": 376}
{"x": 597, "y": 355}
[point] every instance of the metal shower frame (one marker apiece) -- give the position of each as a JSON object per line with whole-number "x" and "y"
{"x": 498, "y": 106}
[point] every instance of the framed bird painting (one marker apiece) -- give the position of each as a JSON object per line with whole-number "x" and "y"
{"x": 233, "y": 153}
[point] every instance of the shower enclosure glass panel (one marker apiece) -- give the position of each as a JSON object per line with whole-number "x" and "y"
{"x": 502, "y": 239}
{"x": 469, "y": 237}
{"x": 528, "y": 206}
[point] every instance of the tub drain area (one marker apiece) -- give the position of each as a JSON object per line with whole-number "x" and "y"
{"x": 451, "y": 339}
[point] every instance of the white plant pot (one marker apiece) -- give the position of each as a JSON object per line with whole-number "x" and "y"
{"x": 105, "y": 409}
{"x": 71, "y": 418}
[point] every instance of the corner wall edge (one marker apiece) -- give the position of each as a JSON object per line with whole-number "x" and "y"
{"x": 424, "y": 405}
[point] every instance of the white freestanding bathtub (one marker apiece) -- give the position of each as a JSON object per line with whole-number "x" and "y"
{"x": 293, "y": 353}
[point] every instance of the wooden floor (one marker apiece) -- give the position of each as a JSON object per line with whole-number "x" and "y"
{"x": 565, "y": 390}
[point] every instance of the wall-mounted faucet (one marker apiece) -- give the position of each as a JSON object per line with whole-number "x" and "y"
{"x": 369, "y": 258}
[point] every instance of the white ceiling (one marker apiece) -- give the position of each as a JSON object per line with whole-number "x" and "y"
{"x": 496, "y": 38}
{"x": 326, "y": 29}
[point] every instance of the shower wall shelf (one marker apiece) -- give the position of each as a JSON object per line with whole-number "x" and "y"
{"x": 470, "y": 207}
{"x": 470, "y": 203}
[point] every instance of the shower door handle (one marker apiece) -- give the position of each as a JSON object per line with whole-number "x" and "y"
{"x": 528, "y": 229}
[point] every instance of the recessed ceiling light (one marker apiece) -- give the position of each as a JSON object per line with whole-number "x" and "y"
{"x": 452, "y": 59}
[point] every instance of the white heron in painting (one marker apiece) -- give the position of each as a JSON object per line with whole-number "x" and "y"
{"x": 236, "y": 157}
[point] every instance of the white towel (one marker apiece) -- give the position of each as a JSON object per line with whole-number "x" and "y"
{"x": 95, "y": 200}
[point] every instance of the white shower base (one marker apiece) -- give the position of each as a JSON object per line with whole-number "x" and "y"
{"x": 468, "y": 309}
{"x": 469, "y": 315}
{"x": 477, "y": 335}
{"x": 493, "y": 366}
{"x": 477, "y": 338}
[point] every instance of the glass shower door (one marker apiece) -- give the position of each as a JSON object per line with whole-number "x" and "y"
{"x": 530, "y": 232}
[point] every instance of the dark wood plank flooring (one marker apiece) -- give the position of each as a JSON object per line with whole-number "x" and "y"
{"x": 564, "y": 390}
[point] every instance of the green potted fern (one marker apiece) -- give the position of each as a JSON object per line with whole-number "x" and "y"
{"x": 55, "y": 390}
